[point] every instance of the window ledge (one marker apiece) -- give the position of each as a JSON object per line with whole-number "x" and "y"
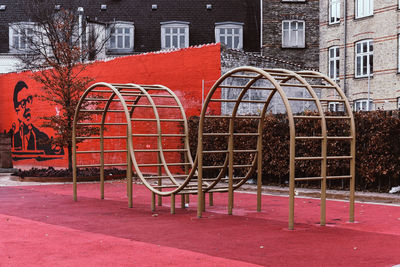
{"x": 363, "y": 77}
{"x": 333, "y": 24}
{"x": 365, "y": 17}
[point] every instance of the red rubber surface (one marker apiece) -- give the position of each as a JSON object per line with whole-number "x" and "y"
{"x": 42, "y": 226}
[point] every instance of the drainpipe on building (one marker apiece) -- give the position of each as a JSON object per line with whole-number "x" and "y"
{"x": 261, "y": 27}
{"x": 80, "y": 20}
{"x": 345, "y": 49}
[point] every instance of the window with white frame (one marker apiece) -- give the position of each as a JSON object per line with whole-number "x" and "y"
{"x": 230, "y": 34}
{"x": 334, "y": 63}
{"x": 364, "y": 58}
{"x": 174, "y": 34}
{"x": 364, "y": 8}
{"x": 293, "y": 33}
{"x": 121, "y": 37}
{"x": 20, "y": 36}
{"x": 333, "y": 106}
{"x": 362, "y": 105}
{"x": 334, "y": 11}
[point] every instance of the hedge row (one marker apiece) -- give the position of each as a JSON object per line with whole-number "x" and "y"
{"x": 377, "y": 148}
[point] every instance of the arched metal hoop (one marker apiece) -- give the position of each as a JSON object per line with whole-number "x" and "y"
{"x": 242, "y": 93}
{"x": 317, "y": 90}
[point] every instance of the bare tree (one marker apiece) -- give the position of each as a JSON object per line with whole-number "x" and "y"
{"x": 56, "y": 47}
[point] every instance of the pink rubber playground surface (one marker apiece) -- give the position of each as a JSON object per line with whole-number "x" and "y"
{"x": 42, "y": 226}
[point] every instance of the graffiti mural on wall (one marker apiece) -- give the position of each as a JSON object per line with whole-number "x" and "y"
{"x": 28, "y": 141}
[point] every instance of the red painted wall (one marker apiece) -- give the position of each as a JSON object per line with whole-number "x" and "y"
{"x": 182, "y": 71}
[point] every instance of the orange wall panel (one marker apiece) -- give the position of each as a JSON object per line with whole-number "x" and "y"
{"x": 182, "y": 71}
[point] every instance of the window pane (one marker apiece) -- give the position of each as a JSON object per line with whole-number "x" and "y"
{"x": 182, "y": 41}
{"x": 337, "y": 52}
{"x": 112, "y": 41}
{"x": 364, "y": 47}
{"x": 364, "y": 67}
{"x": 229, "y": 31}
{"x": 236, "y": 31}
{"x": 222, "y": 31}
{"x": 285, "y": 25}
{"x": 331, "y": 53}
{"x": 300, "y": 25}
{"x": 371, "y": 64}
{"x": 371, "y": 46}
{"x": 167, "y": 42}
{"x": 229, "y": 41}
{"x": 119, "y": 30}
{"x": 119, "y": 42}
{"x": 236, "y": 45}
{"x": 16, "y": 42}
{"x": 293, "y": 26}
{"x": 174, "y": 41}
{"x": 167, "y": 30}
{"x": 358, "y": 72}
{"x": 293, "y": 39}
{"x": 127, "y": 30}
{"x": 127, "y": 42}
{"x": 174, "y": 30}
{"x": 358, "y": 48}
{"x": 286, "y": 38}
{"x": 182, "y": 30}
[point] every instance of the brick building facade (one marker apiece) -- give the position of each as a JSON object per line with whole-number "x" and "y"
{"x": 291, "y": 31}
{"x": 359, "y": 48}
{"x": 204, "y": 21}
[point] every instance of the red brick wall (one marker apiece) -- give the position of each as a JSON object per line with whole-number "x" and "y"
{"x": 182, "y": 71}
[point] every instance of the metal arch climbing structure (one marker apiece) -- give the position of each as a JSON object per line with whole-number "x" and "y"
{"x": 242, "y": 93}
{"x": 247, "y": 82}
{"x": 139, "y": 104}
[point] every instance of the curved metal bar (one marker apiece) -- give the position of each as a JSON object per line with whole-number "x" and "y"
{"x": 202, "y": 117}
{"x": 353, "y": 135}
{"x": 323, "y": 152}
{"x": 83, "y": 97}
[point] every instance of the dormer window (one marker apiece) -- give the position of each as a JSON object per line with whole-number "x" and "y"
{"x": 20, "y": 36}
{"x": 230, "y": 34}
{"x": 121, "y": 37}
{"x": 174, "y": 34}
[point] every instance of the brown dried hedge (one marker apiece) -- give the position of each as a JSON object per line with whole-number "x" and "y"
{"x": 377, "y": 148}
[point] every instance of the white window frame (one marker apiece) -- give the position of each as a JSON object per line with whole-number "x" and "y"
{"x": 334, "y": 11}
{"x": 364, "y": 8}
{"x": 224, "y": 30}
{"x": 296, "y": 34}
{"x": 334, "y": 62}
{"x": 361, "y": 105}
{"x": 364, "y": 58}
{"x": 168, "y": 34}
{"x": 333, "y": 106}
{"x": 17, "y": 26}
{"x": 120, "y": 38}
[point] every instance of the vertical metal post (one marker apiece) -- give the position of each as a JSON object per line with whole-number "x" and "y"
{"x": 323, "y": 175}
{"x": 102, "y": 161}
{"x": 74, "y": 178}
{"x": 172, "y": 203}
{"x": 129, "y": 178}
{"x": 352, "y": 173}
{"x": 200, "y": 174}
{"x": 153, "y": 201}
{"x": 230, "y": 168}
{"x": 183, "y": 201}
{"x": 159, "y": 172}
{"x": 259, "y": 164}
{"x": 211, "y": 199}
